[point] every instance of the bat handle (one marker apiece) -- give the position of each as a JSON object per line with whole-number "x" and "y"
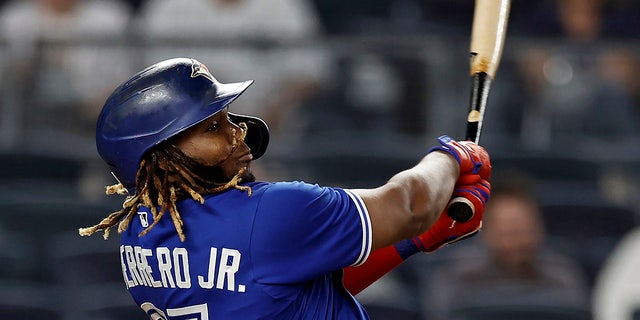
{"x": 461, "y": 209}
{"x": 480, "y": 86}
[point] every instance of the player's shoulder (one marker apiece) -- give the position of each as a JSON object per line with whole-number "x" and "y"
{"x": 292, "y": 190}
{"x": 290, "y": 186}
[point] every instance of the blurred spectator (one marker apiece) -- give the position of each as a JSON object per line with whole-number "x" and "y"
{"x": 341, "y": 17}
{"x": 270, "y": 41}
{"x": 582, "y": 88}
{"x": 508, "y": 264}
{"x": 399, "y": 17}
{"x": 577, "y": 19}
{"x": 371, "y": 17}
{"x": 616, "y": 295}
{"x": 375, "y": 91}
{"x": 381, "y": 86}
{"x": 136, "y": 4}
{"x": 63, "y": 61}
{"x": 620, "y": 66}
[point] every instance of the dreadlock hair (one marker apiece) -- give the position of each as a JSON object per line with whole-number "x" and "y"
{"x": 165, "y": 175}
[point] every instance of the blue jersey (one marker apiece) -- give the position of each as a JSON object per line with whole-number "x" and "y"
{"x": 277, "y": 254}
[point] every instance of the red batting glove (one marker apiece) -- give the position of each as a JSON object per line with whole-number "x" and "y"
{"x": 445, "y": 230}
{"x": 472, "y": 158}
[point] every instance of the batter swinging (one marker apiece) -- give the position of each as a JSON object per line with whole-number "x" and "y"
{"x": 201, "y": 239}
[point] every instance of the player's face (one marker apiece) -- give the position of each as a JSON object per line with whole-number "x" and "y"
{"x": 216, "y": 142}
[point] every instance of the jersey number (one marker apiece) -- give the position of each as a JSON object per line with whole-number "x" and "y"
{"x": 197, "y": 312}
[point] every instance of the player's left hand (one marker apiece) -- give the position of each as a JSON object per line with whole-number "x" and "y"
{"x": 445, "y": 230}
{"x": 472, "y": 158}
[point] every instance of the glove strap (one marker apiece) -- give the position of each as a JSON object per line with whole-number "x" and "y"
{"x": 444, "y": 146}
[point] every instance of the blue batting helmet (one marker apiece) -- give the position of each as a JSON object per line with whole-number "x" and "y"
{"x": 159, "y": 102}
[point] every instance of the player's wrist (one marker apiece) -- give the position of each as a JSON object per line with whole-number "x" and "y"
{"x": 408, "y": 247}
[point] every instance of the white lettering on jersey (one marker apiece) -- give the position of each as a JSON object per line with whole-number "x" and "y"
{"x": 144, "y": 268}
{"x": 131, "y": 265}
{"x": 174, "y": 268}
{"x": 213, "y": 253}
{"x": 181, "y": 270}
{"x": 229, "y": 264}
{"x": 129, "y": 282}
{"x": 164, "y": 265}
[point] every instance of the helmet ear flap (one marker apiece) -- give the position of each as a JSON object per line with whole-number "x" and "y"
{"x": 257, "y": 133}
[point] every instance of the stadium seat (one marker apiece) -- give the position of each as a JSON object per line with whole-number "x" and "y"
{"x": 587, "y": 232}
{"x": 101, "y": 302}
{"x": 28, "y": 300}
{"x": 88, "y": 272}
{"x": 521, "y": 312}
{"x": 76, "y": 260}
{"x": 18, "y": 253}
{"x": 389, "y": 312}
{"x": 349, "y": 159}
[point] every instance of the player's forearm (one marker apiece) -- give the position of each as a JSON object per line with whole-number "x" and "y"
{"x": 428, "y": 188}
{"x": 412, "y": 200}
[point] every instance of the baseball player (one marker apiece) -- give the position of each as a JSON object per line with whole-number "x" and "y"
{"x": 201, "y": 239}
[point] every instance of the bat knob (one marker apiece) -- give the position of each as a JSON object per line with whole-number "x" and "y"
{"x": 460, "y": 209}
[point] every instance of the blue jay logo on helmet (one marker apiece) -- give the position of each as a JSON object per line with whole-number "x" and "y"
{"x": 160, "y": 102}
{"x": 199, "y": 69}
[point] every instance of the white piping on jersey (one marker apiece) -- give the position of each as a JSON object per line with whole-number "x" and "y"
{"x": 366, "y": 228}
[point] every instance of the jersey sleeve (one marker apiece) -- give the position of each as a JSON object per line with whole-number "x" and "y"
{"x": 302, "y": 231}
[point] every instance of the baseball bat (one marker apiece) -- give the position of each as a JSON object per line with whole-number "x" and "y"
{"x": 488, "y": 32}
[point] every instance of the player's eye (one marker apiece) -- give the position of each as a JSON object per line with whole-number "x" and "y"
{"x": 214, "y": 126}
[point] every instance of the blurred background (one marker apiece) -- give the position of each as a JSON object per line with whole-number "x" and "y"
{"x": 353, "y": 91}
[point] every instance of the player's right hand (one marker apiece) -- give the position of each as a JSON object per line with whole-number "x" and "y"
{"x": 445, "y": 230}
{"x": 472, "y": 158}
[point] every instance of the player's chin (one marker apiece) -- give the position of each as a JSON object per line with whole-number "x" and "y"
{"x": 247, "y": 175}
